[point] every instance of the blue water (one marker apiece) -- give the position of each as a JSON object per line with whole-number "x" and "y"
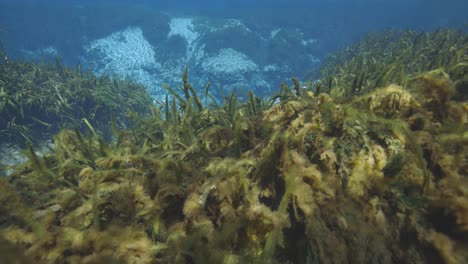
{"x": 250, "y": 55}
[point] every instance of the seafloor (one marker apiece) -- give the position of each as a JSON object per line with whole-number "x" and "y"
{"x": 367, "y": 165}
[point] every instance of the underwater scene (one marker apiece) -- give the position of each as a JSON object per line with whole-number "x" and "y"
{"x": 283, "y": 132}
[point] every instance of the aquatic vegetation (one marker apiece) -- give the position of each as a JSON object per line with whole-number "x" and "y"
{"x": 390, "y": 57}
{"x": 38, "y": 100}
{"x": 302, "y": 177}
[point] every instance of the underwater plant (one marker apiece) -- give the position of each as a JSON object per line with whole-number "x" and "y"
{"x": 37, "y": 100}
{"x": 303, "y": 177}
{"x": 383, "y": 58}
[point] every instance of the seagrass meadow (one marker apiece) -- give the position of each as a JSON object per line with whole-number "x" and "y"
{"x": 37, "y": 100}
{"x": 367, "y": 165}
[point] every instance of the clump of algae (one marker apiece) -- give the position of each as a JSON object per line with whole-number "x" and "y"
{"x": 377, "y": 176}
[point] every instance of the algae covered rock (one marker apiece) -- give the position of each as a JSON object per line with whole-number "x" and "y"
{"x": 392, "y": 101}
